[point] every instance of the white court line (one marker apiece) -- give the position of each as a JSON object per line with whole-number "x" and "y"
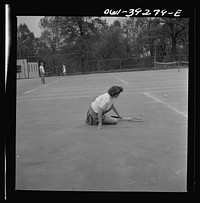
{"x": 140, "y": 92}
{"x": 158, "y": 83}
{"x": 52, "y": 98}
{"x": 19, "y": 99}
{"x": 134, "y": 83}
{"x": 171, "y": 107}
{"x": 182, "y": 90}
{"x": 42, "y": 86}
{"x": 88, "y": 88}
{"x": 127, "y": 91}
{"x": 64, "y": 93}
{"x": 79, "y": 89}
{"x": 119, "y": 78}
{"x": 70, "y": 97}
{"x": 151, "y": 88}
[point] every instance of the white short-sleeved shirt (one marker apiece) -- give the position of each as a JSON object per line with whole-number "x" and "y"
{"x": 104, "y": 101}
{"x": 42, "y": 69}
{"x": 64, "y": 69}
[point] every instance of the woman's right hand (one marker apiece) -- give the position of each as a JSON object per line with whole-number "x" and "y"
{"x": 99, "y": 127}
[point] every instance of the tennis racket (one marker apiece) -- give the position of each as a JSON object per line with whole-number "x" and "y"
{"x": 125, "y": 118}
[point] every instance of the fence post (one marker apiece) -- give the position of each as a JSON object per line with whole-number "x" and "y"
{"x": 143, "y": 61}
{"x": 70, "y": 56}
{"x": 155, "y": 57}
{"x": 98, "y": 65}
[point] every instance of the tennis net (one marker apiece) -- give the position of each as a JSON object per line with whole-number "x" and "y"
{"x": 166, "y": 65}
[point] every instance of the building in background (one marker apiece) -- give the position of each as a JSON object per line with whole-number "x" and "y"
{"x": 27, "y": 69}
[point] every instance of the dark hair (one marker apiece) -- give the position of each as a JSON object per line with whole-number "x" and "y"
{"x": 114, "y": 90}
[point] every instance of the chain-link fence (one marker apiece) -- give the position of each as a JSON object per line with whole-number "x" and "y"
{"x": 53, "y": 63}
{"x": 172, "y": 58}
{"x": 120, "y": 64}
{"x": 79, "y": 63}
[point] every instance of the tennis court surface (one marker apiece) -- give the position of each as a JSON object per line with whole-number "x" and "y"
{"x": 57, "y": 150}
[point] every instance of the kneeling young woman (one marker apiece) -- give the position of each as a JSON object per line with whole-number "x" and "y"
{"x": 102, "y": 105}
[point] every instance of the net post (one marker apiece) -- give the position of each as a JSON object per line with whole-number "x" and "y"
{"x": 178, "y": 65}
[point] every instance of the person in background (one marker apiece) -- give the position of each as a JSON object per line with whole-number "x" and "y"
{"x": 42, "y": 72}
{"x": 64, "y": 70}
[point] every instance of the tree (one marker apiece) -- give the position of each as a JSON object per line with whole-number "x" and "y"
{"x": 41, "y": 47}
{"x": 164, "y": 36}
{"x": 134, "y": 35}
{"x": 82, "y": 32}
{"x": 25, "y": 41}
{"x": 71, "y": 34}
{"x": 51, "y": 34}
{"x": 93, "y": 38}
{"x": 110, "y": 44}
{"x": 178, "y": 30}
